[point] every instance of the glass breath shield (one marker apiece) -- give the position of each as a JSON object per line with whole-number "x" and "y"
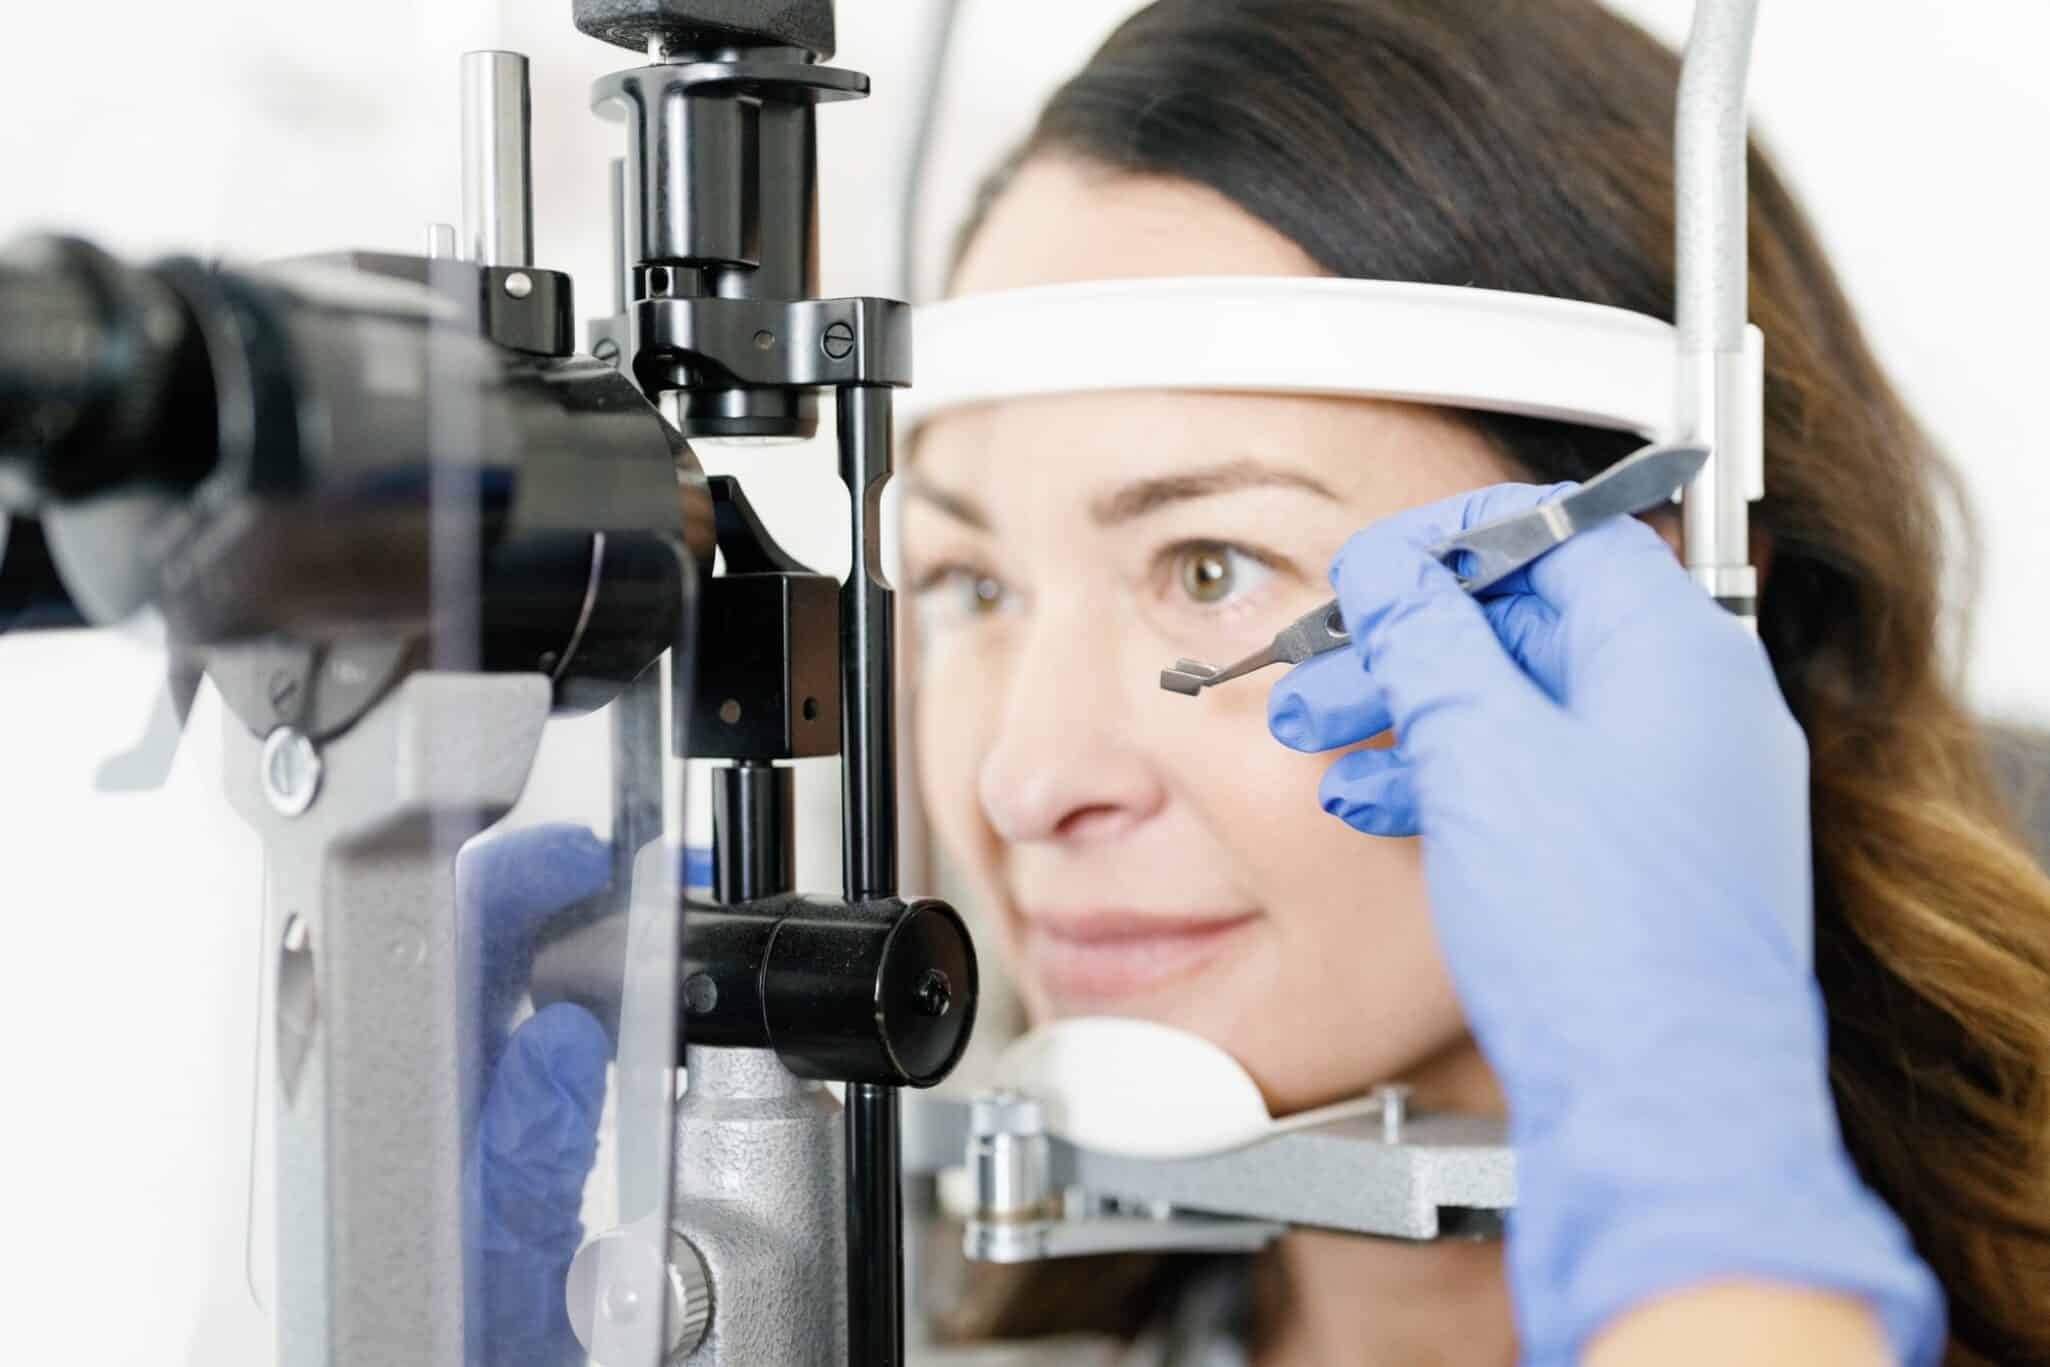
{"x": 395, "y": 524}
{"x": 396, "y": 535}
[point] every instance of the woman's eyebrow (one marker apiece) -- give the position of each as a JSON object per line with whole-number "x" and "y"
{"x": 957, "y": 506}
{"x": 1150, "y": 495}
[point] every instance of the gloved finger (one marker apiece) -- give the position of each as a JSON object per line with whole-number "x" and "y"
{"x": 1330, "y": 700}
{"x": 1445, "y": 517}
{"x": 1529, "y": 629}
{"x": 537, "y": 1137}
{"x": 1614, "y": 572}
{"x": 1427, "y": 643}
{"x": 1326, "y": 701}
{"x": 508, "y": 884}
{"x": 1371, "y": 791}
{"x": 1428, "y": 524}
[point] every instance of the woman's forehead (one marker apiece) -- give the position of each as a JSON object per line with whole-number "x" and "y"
{"x": 1084, "y": 448}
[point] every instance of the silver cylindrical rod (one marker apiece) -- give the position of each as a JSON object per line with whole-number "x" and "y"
{"x": 1712, "y": 307}
{"x": 623, "y": 254}
{"x": 498, "y": 165}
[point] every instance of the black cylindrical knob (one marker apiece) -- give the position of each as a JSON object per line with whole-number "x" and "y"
{"x": 882, "y": 992}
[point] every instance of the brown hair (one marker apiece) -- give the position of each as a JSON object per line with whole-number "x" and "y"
{"x": 1529, "y": 147}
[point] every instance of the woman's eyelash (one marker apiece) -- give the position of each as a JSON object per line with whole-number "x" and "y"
{"x": 1263, "y": 558}
{"x": 932, "y": 576}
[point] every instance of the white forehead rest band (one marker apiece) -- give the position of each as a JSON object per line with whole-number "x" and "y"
{"x": 1432, "y": 344}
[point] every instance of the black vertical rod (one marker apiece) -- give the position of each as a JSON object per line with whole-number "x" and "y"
{"x": 753, "y": 809}
{"x": 875, "y": 1229}
{"x": 868, "y": 757}
{"x": 868, "y": 654}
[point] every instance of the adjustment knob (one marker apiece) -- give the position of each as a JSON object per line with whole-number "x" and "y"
{"x": 613, "y": 1284}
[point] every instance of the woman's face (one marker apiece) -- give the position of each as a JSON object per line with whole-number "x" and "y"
{"x": 1147, "y": 854}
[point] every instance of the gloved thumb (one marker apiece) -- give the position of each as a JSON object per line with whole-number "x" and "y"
{"x": 1424, "y": 640}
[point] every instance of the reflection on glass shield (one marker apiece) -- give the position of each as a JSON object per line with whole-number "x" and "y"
{"x": 409, "y": 536}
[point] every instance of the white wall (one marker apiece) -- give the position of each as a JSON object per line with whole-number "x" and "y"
{"x": 1916, "y": 129}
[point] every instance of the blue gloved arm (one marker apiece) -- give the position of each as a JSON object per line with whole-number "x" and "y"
{"x": 537, "y": 1129}
{"x": 1612, "y": 798}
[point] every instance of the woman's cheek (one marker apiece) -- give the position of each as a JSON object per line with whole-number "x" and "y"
{"x": 961, "y": 682}
{"x": 1351, "y": 962}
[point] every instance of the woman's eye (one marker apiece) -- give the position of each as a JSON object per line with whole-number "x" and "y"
{"x": 956, "y": 593}
{"x": 1210, "y": 573}
{"x": 983, "y": 594}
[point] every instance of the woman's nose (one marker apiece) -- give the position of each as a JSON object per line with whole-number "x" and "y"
{"x": 1065, "y": 765}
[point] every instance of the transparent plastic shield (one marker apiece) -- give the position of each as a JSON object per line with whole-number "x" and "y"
{"x": 385, "y": 733}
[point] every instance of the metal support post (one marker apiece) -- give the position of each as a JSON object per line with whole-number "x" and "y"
{"x": 875, "y": 1215}
{"x": 1720, "y": 368}
{"x": 498, "y": 204}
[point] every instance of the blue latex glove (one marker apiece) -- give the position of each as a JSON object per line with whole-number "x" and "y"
{"x": 1612, "y": 797}
{"x": 537, "y": 1129}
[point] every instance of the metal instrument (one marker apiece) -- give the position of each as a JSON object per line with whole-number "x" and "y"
{"x": 1482, "y": 556}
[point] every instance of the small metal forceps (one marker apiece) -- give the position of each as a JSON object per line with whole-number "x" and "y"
{"x": 1483, "y": 555}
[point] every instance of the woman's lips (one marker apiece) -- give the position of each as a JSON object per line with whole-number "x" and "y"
{"x": 1086, "y": 960}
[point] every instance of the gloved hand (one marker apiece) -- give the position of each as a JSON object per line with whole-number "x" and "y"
{"x": 1612, "y": 798}
{"x": 537, "y": 1129}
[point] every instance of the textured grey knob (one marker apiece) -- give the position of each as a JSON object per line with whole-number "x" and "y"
{"x": 615, "y": 1275}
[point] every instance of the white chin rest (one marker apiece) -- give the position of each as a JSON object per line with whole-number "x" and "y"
{"x": 1429, "y": 344}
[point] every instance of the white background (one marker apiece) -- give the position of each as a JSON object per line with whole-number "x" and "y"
{"x": 1916, "y": 129}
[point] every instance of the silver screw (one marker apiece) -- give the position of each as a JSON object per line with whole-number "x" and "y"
{"x": 291, "y": 771}
{"x": 700, "y": 993}
{"x": 838, "y": 341}
{"x": 519, "y": 284}
{"x": 1394, "y": 1100}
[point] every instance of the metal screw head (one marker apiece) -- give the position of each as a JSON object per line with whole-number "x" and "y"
{"x": 700, "y": 993}
{"x": 1002, "y": 1111}
{"x": 291, "y": 771}
{"x": 765, "y": 340}
{"x": 729, "y": 711}
{"x": 607, "y": 351}
{"x": 519, "y": 284}
{"x": 934, "y": 994}
{"x": 838, "y": 341}
{"x": 1394, "y": 1098}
